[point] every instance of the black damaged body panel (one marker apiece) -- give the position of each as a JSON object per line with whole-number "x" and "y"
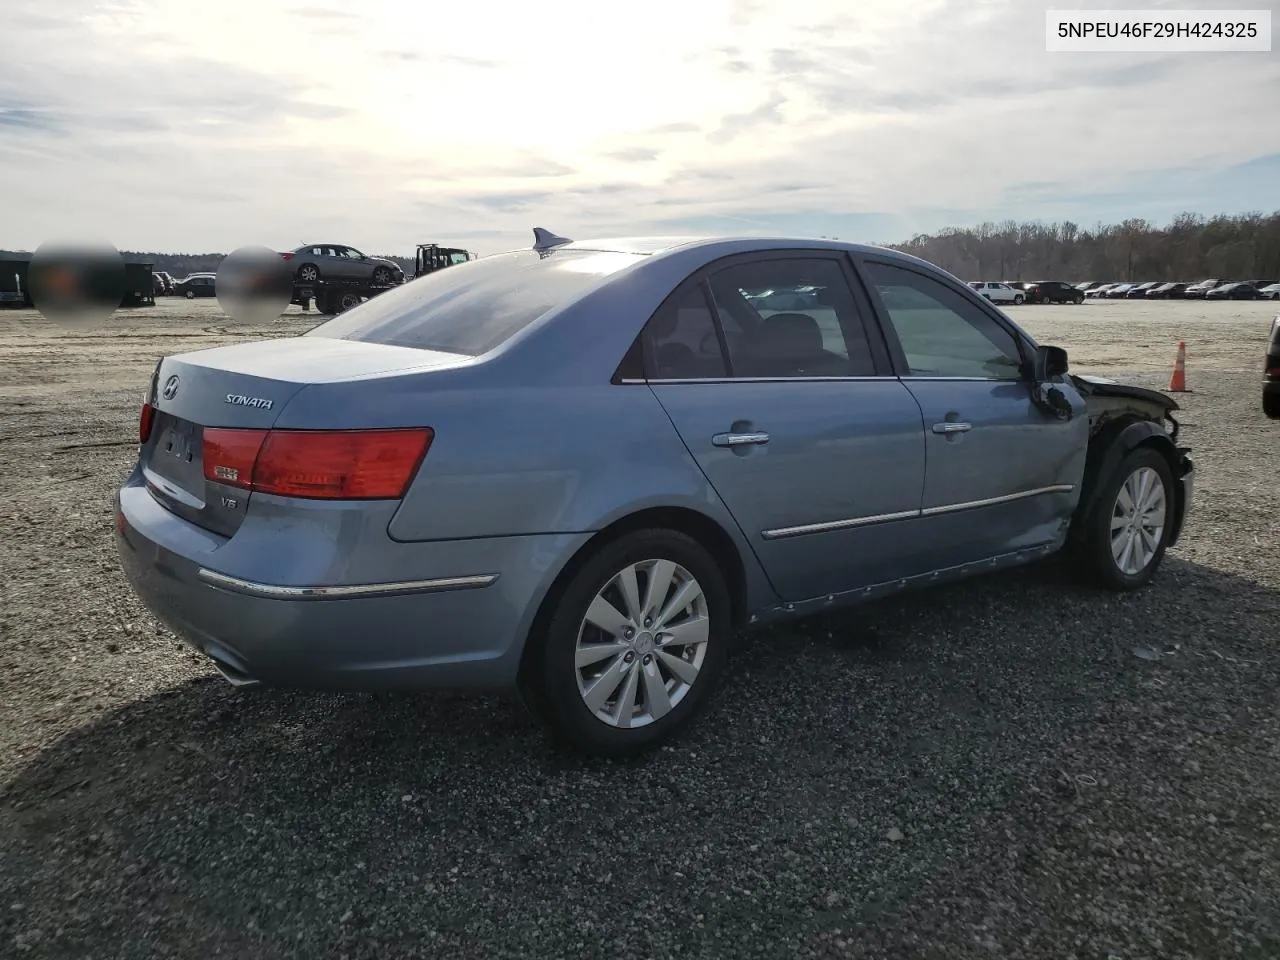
{"x": 1121, "y": 418}
{"x": 1108, "y": 400}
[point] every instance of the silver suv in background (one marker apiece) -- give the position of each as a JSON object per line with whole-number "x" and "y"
{"x": 335, "y": 261}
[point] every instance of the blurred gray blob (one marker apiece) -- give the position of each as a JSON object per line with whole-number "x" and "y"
{"x": 76, "y": 285}
{"x": 253, "y": 284}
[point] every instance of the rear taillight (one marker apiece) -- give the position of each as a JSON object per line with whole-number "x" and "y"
{"x": 318, "y": 464}
{"x": 229, "y": 455}
{"x": 286, "y": 256}
{"x": 145, "y": 420}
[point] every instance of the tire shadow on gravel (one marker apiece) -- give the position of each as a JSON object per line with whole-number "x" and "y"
{"x": 886, "y": 774}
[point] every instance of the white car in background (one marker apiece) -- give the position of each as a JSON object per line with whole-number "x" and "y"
{"x": 1270, "y": 292}
{"x": 998, "y": 292}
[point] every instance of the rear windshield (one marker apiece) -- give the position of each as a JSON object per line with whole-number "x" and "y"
{"x": 471, "y": 308}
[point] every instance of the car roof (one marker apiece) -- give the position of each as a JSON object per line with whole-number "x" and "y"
{"x": 713, "y": 246}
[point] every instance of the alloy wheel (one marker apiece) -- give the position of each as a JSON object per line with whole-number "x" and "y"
{"x": 1137, "y": 521}
{"x": 642, "y": 643}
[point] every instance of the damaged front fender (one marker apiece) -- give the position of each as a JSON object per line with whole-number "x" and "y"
{"x": 1122, "y": 418}
{"x": 1109, "y": 401}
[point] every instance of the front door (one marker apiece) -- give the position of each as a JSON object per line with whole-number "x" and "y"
{"x": 1001, "y": 474}
{"x": 789, "y": 408}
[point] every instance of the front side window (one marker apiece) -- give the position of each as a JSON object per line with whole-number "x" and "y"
{"x": 942, "y": 333}
{"x": 474, "y": 307}
{"x": 791, "y": 317}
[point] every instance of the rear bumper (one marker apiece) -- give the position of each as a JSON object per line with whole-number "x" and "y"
{"x": 455, "y": 615}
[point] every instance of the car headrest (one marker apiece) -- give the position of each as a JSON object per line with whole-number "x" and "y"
{"x": 790, "y": 335}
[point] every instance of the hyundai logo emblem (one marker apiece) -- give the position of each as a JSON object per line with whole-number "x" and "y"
{"x": 170, "y": 387}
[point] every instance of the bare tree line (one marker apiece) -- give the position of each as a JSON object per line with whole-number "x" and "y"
{"x": 1192, "y": 247}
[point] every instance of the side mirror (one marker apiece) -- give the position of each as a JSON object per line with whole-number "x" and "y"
{"x": 1050, "y": 363}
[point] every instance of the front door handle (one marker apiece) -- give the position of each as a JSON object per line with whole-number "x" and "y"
{"x": 952, "y": 426}
{"x": 739, "y": 439}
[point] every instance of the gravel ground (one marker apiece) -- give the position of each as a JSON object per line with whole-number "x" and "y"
{"x": 988, "y": 770}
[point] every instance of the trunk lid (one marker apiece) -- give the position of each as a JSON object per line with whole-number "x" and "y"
{"x": 245, "y": 386}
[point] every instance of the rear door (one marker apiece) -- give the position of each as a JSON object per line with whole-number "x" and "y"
{"x": 783, "y": 394}
{"x": 1001, "y": 475}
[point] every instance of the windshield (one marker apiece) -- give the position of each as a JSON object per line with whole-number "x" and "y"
{"x": 471, "y": 308}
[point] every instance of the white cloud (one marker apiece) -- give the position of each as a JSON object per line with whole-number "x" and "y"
{"x": 392, "y": 122}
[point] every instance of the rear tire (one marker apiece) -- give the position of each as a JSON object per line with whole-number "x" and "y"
{"x": 1271, "y": 404}
{"x": 191, "y": 294}
{"x": 1128, "y": 528}
{"x": 308, "y": 273}
{"x": 613, "y": 692}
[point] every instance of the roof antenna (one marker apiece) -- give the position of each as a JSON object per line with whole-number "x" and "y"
{"x": 544, "y": 239}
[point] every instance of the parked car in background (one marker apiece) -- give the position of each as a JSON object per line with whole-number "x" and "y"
{"x": 1198, "y": 290}
{"x": 196, "y": 285}
{"x": 998, "y": 292}
{"x": 1270, "y": 292}
{"x": 1052, "y": 291}
{"x": 1271, "y": 373}
{"x": 1139, "y": 291}
{"x": 1166, "y": 291}
{"x": 335, "y": 261}
{"x": 1239, "y": 290}
{"x": 351, "y": 508}
{"x": 1099, "y": 291}
{"x": 161, "y": 284}
{"x": 1119, "y": 291}
{"x": 1263, "y": 283}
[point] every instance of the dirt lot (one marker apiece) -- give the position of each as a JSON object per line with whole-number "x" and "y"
{"x": 1016, "y": 767}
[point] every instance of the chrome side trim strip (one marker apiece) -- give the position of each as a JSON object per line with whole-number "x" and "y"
{"x": 342, "y": 592}
{"x": 779, "y": 533}
{"x": 635, "y": 381}
{"x": 675, "y": 380}
{"x": 992, "y": 501}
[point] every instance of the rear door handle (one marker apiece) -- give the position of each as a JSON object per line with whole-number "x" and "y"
{"x": 739, "y": 439}
{"x": 952, "y": 426}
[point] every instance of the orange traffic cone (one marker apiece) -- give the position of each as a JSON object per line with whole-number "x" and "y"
{"x": 1178, "y": 383}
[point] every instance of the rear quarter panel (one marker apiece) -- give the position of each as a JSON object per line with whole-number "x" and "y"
{"x": 519, "y": 460}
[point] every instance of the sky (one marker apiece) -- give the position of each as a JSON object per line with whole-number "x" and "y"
{"x": 172, "y": 126}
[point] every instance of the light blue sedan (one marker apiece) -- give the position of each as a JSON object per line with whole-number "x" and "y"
{"x": 579, "y": 469}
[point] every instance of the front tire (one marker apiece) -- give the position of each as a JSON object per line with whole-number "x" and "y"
{"x": 1018, "y": 299}
{"x": 637, "y": 641}
{"x": 191, "y": 294}
{"x": 1129, "y": 525}
{"x": 382, "y": 276}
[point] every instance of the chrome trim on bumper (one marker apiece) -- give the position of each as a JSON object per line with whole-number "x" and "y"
{"x": 342, "y": 592}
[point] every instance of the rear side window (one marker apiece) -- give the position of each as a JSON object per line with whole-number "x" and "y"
{"x": 791, "y": 317}
{"x": 471, "y": 308}
{"x": 680, "y": 342}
